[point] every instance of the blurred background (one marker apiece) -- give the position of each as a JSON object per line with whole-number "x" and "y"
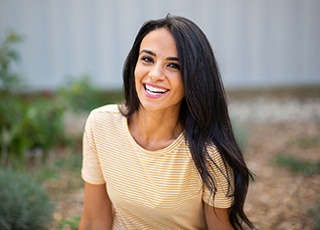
{"x": 257, "y": 43}
{"x": 60, "y": 59}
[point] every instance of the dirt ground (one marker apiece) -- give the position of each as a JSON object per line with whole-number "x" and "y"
{"x": 278, "y": 198}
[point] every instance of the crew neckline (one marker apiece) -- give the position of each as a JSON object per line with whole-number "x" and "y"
{"x": 158, "y": 152}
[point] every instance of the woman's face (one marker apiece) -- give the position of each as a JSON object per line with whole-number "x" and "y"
{"x": 157, "y": 73}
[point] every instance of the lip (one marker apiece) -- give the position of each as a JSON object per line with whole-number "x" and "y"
{"x": 154, "y": 95}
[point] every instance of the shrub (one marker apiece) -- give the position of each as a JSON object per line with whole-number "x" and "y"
{"x": 314, "y": 212}
{"x": 26, "y": 124}
{"x": 81, "y": 95}
{"x": 8, "y": 79}
{"x": 24, "y": 204}
{"x": 298, "y": 166}
{"x": 78, "y": 94}
{"x": 240, "y": 133}
{"x": 306, "y": 142}
{"x": 71, "y": 223}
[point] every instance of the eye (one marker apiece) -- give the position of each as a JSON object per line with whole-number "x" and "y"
{"x": 147, "y": 59}
{"x": 174, "y": 66}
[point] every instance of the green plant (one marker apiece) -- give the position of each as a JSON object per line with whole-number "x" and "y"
{"x": 8, "y": 55}
{"x": 70, "y": 223}
{"x": 298, "y": 166}
{"x": 10, "y": 121}
{"x": 66, "y": 165}
{"x": 27, "y": 126}
{"x": 24, "y": 204}
{"x": 81, "y": 95}
{"x": 306, "y": 142}
{"x": 315, "y": 213}
{"x": 78, "y": 94}
{"x": 10, "y": 107}
{"x": 240, "y": 133}
{"x": 43, "y": 125}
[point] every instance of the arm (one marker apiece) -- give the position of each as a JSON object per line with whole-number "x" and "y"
{"x": 217, "y": 218}
{"x": 97, "y": 212}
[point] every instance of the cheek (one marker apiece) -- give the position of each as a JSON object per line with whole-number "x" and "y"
{"x": 179, "y": 84}
{"x": 138, "y": 72}
{"x": 137, "y": 78}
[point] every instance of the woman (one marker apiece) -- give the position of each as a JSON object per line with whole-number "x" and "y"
{"x": 167, "y": 158}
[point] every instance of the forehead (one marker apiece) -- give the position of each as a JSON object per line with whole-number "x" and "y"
{"x": 159, "y": 41}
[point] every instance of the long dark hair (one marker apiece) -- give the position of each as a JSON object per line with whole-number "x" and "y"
{"x": 203, "y": 113}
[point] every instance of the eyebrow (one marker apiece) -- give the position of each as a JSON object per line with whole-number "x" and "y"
{"x": 153, "y": 54}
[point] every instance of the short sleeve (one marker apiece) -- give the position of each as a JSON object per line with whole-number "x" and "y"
{"x": 221, "y": 173}
{"x": 91, "y": 170}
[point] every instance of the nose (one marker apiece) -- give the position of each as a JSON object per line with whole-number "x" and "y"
{"x": 156, "y": 73}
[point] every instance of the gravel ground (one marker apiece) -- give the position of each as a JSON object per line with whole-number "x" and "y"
{"x": 275, "y": 107}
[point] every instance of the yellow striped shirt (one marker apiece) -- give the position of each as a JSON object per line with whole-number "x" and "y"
{"x": 148, "y": 189}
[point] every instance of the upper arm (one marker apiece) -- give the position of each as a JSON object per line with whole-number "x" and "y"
{"x": 217, "y": 218}
{"x": 221, "y": 195}
{"x": 97, "y": 211}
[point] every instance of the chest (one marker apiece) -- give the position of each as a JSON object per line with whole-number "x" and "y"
{"x": 165, "y": 182}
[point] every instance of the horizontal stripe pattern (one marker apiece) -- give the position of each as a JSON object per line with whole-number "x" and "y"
{"x": 148, "y": 189}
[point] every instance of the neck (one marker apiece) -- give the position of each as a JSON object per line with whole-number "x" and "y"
{"x": 154, "y": 131}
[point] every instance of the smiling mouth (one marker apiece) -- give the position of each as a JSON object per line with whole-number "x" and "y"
{"x": 154, "y": 90}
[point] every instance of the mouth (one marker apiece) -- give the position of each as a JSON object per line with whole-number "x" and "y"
{"x": 154, "y": 90}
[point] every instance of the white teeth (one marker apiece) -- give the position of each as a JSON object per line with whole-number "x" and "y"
{"x": 154, "y": 89}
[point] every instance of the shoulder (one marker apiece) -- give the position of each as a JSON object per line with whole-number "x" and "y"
{"x": 216, "y": 161}
{"x": 113, "y": 108}
{"x": 214, "y": 153}
{"x": 104, "y": 115}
